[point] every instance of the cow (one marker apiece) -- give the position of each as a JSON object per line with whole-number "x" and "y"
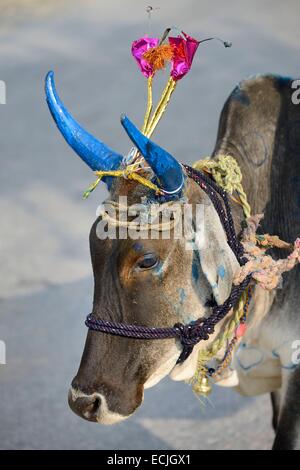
{"x": 157, "y": 282}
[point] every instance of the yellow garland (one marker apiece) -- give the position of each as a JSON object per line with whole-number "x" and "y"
{"x": 227, "y": 174}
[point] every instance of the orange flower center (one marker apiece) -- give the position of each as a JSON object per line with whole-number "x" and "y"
{"x": 158, "y": 56}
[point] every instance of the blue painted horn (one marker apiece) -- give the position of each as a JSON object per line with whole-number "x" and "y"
{"x": 91, "y": 150}
{"x": 166, "y": 168}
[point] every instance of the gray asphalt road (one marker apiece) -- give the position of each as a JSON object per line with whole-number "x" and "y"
{"x": 46, "y": 283}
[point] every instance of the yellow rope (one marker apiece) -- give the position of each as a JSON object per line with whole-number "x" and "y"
{"x": 227, "y": 174}
{"x": 130, "y": 173}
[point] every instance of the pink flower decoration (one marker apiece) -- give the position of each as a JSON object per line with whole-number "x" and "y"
{"x": 184, "y": 51}
{"x": 138, "y": 48}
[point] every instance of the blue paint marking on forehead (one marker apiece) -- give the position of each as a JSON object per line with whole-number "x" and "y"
{"x": 221, "y": 271}
{"x": 137, "y": 247}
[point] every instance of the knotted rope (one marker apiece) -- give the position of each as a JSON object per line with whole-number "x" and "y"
{"x": 265, "y": 270}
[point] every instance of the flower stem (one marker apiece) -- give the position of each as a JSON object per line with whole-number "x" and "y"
{"x": 149, "y": 105}
{"x": 161, "y": 107}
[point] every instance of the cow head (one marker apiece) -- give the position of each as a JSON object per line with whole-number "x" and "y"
{"x": 145, "y": 281}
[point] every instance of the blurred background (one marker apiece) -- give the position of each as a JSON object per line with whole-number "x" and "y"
{"x": 46, "y": 283}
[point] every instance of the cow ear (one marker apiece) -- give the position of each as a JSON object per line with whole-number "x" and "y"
{"x": 218, "y": 261}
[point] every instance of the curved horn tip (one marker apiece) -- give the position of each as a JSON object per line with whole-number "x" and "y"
{"x": 49, "y": 79}
{"x": 50, "y": 74}
{"x": 50, "y": 88}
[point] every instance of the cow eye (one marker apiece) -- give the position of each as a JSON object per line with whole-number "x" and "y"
{"x": 147, "y": 262}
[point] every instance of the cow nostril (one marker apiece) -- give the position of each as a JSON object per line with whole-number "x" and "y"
{"x": 85, "y": 406}
{"x": 94, "y": 406}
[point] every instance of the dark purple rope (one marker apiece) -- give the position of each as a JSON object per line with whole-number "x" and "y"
{"x": 131, "y": 331}
{"x": 214, "y": 191}
{"x": 190, "y": 334}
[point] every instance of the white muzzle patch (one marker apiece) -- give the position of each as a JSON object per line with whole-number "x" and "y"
{"x": 104, "y": 416}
